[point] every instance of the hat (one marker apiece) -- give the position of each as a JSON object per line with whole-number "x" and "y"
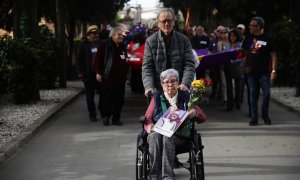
{"x": 242, "y": 26}
{"x": 92, "y": 28}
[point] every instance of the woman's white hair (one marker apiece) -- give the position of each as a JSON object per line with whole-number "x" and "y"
{"x": 169, "y": 73}
{"x": 114, "y": 30}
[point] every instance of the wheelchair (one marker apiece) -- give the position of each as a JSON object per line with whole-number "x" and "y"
{"x": 194, "y": 147}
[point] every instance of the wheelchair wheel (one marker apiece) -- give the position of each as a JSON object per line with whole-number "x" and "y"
{"x": 196, "y": 159}
{"x": 141, "y": 160}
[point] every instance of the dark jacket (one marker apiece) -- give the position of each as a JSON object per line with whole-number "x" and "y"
{"x": 154, "y": 111}
{"x": 84, "y": 60}
{"x": 155, "y": 59}
{"x": 108, "y": 56}
{"x": 182, "y": 101}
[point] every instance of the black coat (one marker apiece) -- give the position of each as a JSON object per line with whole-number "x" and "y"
{"x": 84, "y": 60}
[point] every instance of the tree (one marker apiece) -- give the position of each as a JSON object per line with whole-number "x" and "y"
{"x": 60, "y": 36}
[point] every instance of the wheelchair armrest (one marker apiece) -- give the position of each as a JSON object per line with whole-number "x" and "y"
{"x": 142, "y": 119}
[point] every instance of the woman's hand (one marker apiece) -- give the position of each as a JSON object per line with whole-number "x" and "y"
{"x": 149, "y": 128}
{"x": 192, "y": 113}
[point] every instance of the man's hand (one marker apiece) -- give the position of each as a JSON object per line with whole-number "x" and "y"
{"x": 147, "y": 91}
{"x": 273, "y": 75}
{"x": 183, "y": 87}
{"x": 99, "y": 77}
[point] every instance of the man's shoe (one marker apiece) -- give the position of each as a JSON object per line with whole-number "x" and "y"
{"x": 229, "y": 109}
{"x": 118, "y": 123}
{"x": 267, "y": 120}
{"x": 106, "y": 121}
{"x": 253, "y": 122}
{"x": 93, "y": 119}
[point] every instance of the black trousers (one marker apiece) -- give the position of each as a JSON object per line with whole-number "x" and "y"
{"x": 113, "y": 100}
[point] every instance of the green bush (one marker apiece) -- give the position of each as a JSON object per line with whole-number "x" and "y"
{"x": 45, "y": 51}
{"x": 19, "y": 70}
{"x": 28, "y": 65}
{"x": 287, "y": 40}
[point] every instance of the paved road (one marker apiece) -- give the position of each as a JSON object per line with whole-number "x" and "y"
{"x": 71, "y": 147}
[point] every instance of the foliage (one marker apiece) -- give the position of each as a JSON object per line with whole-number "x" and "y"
{"x": 18, "y": 70}
{"x": 45, "y": 51}
{"x": 5, "y": 18}
{"x": 287, "y": 40}
{"x": 212, "y": 13}
{"x": 27, "y": 65}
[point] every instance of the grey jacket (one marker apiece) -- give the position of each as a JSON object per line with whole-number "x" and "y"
{"x": 155, "y": 59}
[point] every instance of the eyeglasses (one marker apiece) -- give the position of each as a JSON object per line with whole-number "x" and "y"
{"x": 252, "y": 25}
{"x": 169, "y": 21}
{"x": 172, "y": 82}
{"x": 222, "y": 32}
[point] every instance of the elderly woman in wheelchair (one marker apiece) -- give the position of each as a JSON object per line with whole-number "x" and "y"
{"x": 161, "y": 148}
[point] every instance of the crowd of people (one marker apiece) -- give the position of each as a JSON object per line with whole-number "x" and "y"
{"x": 165, "y": 48}
{"x": 168, "y": 70}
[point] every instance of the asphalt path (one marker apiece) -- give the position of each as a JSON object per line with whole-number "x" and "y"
{"x": 71, "y": 147}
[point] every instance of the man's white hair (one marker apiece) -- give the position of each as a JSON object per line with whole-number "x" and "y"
{"x": 166, "y": 10}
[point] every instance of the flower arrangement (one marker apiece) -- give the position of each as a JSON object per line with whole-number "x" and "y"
{"x": 197, "y": 92}
{"x": 196, "y": 97}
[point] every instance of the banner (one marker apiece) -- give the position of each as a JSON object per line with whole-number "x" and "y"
{"x": 211, "y": 61}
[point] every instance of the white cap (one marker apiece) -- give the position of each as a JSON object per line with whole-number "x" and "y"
{"x": 241, "y": 26}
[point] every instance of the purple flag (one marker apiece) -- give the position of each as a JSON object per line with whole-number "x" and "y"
{"x": 212, "y": 61}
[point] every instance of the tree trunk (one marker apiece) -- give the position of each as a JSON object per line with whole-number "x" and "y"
{"x": 62, "y": 44}
{"x": 33, "y": 33}
{"x": 16, "y": 18}
{"x": 71, "y": 34}
{"x": 33, "y": 18}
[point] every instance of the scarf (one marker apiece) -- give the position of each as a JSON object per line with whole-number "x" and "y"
{"x": 172, "y": 101}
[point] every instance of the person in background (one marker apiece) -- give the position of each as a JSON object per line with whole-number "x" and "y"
{"x": 88, "y": 48}
{"x": 223, "y": 45}
{"x": 260, "y": 54}
{"x": 241, "y": 31}
{"x": 167, "y": 49}
{"x": 215, "y": 73}
{"x": 200, "y": 40}
{"x": 111, "y": 70}
{"x": 234, "y": 70}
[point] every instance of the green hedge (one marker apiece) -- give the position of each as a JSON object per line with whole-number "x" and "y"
{"x": 19, "y": 70}
{"x": 287, "y": 40}
{"x": 26, "y": 65}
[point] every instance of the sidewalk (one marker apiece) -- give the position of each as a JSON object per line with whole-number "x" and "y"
{"x": 11, "y": 147}
{"x": 71, "y": 147}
